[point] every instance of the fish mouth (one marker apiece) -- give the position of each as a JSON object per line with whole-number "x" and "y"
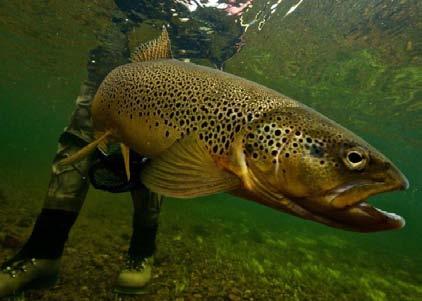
{"x": 346, "y": 206}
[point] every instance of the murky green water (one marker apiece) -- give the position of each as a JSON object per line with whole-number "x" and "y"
{"x": 358, "y": 62}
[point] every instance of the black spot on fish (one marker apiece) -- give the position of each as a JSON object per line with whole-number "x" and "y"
{"x": 316, "y": 151}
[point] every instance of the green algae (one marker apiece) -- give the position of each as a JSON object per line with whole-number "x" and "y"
{"x": 350, "y": 75}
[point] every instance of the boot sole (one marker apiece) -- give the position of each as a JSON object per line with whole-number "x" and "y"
{"x": 42, "y": 283}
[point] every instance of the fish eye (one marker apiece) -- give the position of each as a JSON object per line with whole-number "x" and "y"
{"x": 356, "y": 159}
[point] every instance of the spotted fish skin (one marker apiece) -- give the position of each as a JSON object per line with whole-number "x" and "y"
{"x": 152, "y": 104}
{"x": 162, "y": 101}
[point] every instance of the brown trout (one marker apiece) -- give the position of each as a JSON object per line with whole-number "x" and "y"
{"x": 207, "y": 131}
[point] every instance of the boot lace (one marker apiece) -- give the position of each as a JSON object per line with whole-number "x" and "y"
{"x": 137, "y": 264}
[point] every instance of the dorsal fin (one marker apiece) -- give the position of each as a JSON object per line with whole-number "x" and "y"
{"x": 159, "y": 48}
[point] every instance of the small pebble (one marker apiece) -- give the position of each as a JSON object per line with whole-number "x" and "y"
{"x": 233, "y": 297}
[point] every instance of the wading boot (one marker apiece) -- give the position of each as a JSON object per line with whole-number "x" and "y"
{"x": 135, "y": 276}
{"x": 136, "y": 273}
{"x": 37, "y": 264}
{"x": 19, "y": 275}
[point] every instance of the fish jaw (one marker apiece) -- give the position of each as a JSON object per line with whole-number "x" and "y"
{"x": 360, "y": 217}
{"x": 347, "y": 204}
{"x": 363, "y": 217}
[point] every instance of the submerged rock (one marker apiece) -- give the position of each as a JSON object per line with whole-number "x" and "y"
{"x": 234, "y": 297}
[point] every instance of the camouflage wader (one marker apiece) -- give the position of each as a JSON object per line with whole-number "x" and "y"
{"x": 37, "y": 263}
{"x": 69, "y": 184}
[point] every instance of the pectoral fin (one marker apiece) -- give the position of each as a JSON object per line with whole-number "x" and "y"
{"x": 186, "y": 170}
{"x": 125, "y": 152}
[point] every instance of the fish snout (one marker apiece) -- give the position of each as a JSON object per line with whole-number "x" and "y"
{"x": 398, "y": 179}
{"x": 386, "y": 178}
{"x": 348, "y": 206}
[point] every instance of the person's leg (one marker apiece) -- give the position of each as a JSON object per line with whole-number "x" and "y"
{"x": 39, "y": 258}
{"x": 138, "y": 267}
{"x": 38, "y": 261}
{"x": 65, "y": 195}
{"x": 146, "y": 205}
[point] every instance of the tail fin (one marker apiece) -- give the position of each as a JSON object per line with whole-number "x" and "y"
{"x": 87, "y": 150}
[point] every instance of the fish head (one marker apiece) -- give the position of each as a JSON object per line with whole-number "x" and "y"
{"x": 303, "y": 163}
